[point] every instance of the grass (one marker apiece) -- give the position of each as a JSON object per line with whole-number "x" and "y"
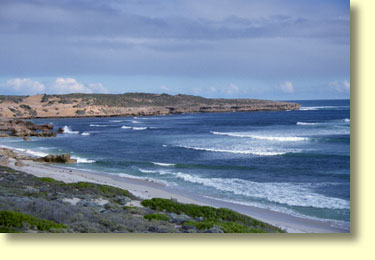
{"x": 229, "y": 220}
{"x": 156, "y": 216}
{"x": 11, "y": 221}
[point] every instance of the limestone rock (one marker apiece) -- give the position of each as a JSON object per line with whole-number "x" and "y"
{"x": 19, "y": 163}
{"x": 57, "y": 158}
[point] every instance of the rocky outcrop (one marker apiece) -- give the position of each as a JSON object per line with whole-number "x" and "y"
{"x": 57, "y": 158}
{"x": 25, "y": 129}
{"x": 7, "y": 154}
{"x": 129, "y": 104}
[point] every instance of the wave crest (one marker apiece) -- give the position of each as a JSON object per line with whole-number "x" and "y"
{"x": 262, "y": 137}
{"x": 68, "y": 130}
{"x": 252, "y": 152}
{"x": 282, "y": 193}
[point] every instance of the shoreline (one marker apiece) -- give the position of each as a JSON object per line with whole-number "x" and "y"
{"x": 147, "y": 189}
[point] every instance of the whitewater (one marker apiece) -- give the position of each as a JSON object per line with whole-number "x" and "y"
{"x": 297, "y": 162}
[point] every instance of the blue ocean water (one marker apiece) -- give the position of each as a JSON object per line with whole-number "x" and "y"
{"x": 296, "y": 162}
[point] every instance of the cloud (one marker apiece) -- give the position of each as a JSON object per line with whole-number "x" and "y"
{"x": 340, "y": 86}
{"x": 71, "y": 85}
{"x": 61, "y": 85}
{"x": 97, "y": 88}
{"x": 232, "y": 89}
{"x": 287, "y": 87}
{"x": 164, "y": 88}
{"x": 22, "y": 86}
{"x": 68, "y": 85}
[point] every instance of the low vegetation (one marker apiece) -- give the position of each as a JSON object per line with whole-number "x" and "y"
{"x": 11, "y": 222}
{"x": 156, "y": 216}
{"x": 31, "y": 204}
{"x": 229, "y": 220}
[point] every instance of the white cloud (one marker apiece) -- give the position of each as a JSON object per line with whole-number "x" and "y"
{"x": 24, "y": 86}
{"x": 164, "y": 88}
{"x": 61, "y": 85}
{"x": 97, "y": 88}
{"x": 287, "y": 87}
{"x": 232, "y": 89}
{"x": 340, "y": 86}
{"x": 68, "y": 85}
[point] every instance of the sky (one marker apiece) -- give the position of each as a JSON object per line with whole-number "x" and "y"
{"x": 274, "y": 49}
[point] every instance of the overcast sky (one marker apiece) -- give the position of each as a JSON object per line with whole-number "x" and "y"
{"x": 274, "y": 49}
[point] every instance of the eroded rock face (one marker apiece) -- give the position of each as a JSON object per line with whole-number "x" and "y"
{"x": 57, "y": 158}
{"x": 6, "y": 154}
{"x": 21, "y": 128}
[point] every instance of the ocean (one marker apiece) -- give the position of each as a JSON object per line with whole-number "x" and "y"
{"x": 296, "y": 162}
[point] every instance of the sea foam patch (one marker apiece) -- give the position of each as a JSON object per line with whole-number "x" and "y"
{"x": 235, "y": 151}
{"x": 68, "y": 130}
{"x": 263, "y": 137}
{"x": 283, "y": 193}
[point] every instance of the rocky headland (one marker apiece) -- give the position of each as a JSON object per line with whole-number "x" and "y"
{"x": 129, "y": 104}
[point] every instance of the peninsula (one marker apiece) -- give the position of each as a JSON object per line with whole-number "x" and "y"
{"x": 129, "y": 104}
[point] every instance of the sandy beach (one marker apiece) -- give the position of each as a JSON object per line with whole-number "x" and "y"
{"x": 148, "y": 189}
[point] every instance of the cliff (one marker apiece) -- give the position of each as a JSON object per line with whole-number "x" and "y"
{"x": 129, "y": 104}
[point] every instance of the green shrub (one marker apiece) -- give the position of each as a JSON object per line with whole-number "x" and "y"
{"x": 50, "y": 180}
{"x": 156, "y": 216}
{"x": 107, "y": 190}
{"x": 200, "y": 224}
{"x": 81, "y": 112}
{"x": 12, "y": 221}
{"x": 229, "y": 220}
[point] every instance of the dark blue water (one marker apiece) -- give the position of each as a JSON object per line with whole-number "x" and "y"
{"x": 294, "y": 161}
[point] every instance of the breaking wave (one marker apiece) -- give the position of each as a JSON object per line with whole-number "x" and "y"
{"x": 94, "y": 125}
{"x": 262, "y": 137}
{"x": 306, "y": 123}
{"x": 83, "y": 160}
{"x": 282, "y": 193}
{"x": 252, "y": 152}
{"x": 68, "y": 130}
{"x": 164, "y": 164}
{"x": 140, "y": 128}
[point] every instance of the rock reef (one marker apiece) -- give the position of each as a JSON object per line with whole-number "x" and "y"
{"x": 21, "y": 128}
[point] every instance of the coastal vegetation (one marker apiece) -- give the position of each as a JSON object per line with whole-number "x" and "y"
{"x": 32, "y": 204}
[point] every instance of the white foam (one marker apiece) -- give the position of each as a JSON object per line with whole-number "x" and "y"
{"x": 116, "y": 121}
{"x": 27, "y": 151}
{"x": 322, "y": 108}
{"x": 282, "y": 193}
{"x": 124, "y": 175}
{"x": 68, "y": 130}
{"x": 140, "y": 128}
{"x": 306, "y": 123}
{"x": 32, "y": 152}
{"x": 134, "y": 128}
{"x": 252, "y": 152}
{"x": 94, "y": 125}
{"x": 83, "y": 160}
{"x": 147, "y": 171}
{"x": 136, "y": 122}
{"x": 347, "y": 120}
{"x": 85, "y": 134}
{"x": 262, "y": 137}
{"x": 164, "y": 164}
